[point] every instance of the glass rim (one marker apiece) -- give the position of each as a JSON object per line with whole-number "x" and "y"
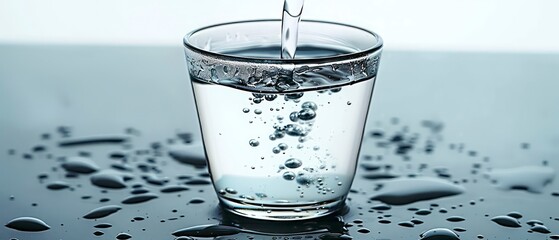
{"x": 377, "y": 46}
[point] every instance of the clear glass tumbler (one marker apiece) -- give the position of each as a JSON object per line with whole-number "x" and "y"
{"x": 282, "y": 136}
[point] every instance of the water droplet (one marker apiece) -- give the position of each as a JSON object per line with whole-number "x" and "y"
{"x": 534, "y": 222}
{"x": 406, "y": 224}
{"x": 246, "y": 110}
{"x": 459, "y": 229}
{"x": 306, "y": 114}
{"x": 261, "y": 195}
{"x": 28, "y": 224}
{"x": 293, "y": 163}
{"x": 80, "y": 165}
{"x": 207, "y": 231}
{"x": 348, "y": 103}
{"x": 108, "y": 179}
{"x": 98, "y": 233}
{"x": 184, "y": 238}
{"x": 540, "y": 229}
{"x": 379, "y": 176}
{"x": 506, "y": 221}
{"x": 103, "y": 225}
{"x": 113, "y": 139}
{"x": 529, "y": 178}
{"x": 416, "y": 221}
{"x": 122, "y": 236}
{"x": 363, "y": 230}
{"x": 334, "y": 236}
{"x": 288, "y": 175}
{"x": 439, "y": 234}
{"x": 455, "y": 219}
{"x": 197, "y": 201}
{"x": 423, "y": 212}
{"x": 189, "y": 154}
{"x": 257, "y": 111}
{"x": 230, "y": 190}
{"x": 408, "y": 190}
{"x": 195, "y": 182}
{"x": 257, "y": 101}
{"x": 102, "y": 212}
{"x": 174, "y": 189}
{"x": 309, "y": 105}
{"x": 139, "y": 198}
{"x": 253, "y": 142}
{"x": 516, "y": 215}
{"x": 58, "y": 185}
{"x": 381, "y": 207}
{"x": 276, "y": 150}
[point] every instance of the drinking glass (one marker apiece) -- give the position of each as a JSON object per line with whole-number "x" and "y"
{"x": 282, "y": 136}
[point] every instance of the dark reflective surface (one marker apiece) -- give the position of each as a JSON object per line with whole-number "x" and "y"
{"x": 480, "y": 126}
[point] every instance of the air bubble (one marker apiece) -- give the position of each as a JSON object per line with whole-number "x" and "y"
{"x": 295, "y": 130}
{"x": 309, "y": 105}
{"x": 254, "y": 142}
{"x": 303, "y": 180}
{"x": 294, "y": 116}
{"x": 270, "y": 97}
{"x": 289, "y": 176}
{"x": 293, "y": 96}
{"x": 293, "y": 163}
{"x": 307, "y": 114}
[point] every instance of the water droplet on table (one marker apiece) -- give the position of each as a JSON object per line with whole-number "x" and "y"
{"x": 439, "y": 234}
{"x": 28, "y": 224}
{"x": 506, "y": 221}
{"x": 102, "y": 212}
{"x": 207, "y": 231}
{"x": 80, "y": 165}
{"x": 139, "y": 198}
{"x": 408, "y": 190}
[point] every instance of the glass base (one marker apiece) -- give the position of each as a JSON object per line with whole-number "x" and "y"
{"x": 282, "y": 212}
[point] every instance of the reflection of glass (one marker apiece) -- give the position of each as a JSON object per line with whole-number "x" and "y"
{"x": 282, "y": 136}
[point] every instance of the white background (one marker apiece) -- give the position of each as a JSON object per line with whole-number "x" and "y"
{"x": 456, "y": 25}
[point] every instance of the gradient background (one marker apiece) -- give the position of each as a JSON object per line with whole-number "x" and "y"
{"x": 447, "y": 25}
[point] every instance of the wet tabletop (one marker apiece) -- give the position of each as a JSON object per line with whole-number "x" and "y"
{"x": 103, "y": 143}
